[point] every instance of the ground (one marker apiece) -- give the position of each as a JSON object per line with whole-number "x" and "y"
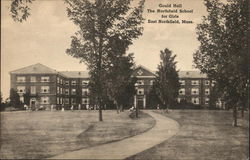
{"x": 204, "y": 134}
{"x": 43, "y": 134}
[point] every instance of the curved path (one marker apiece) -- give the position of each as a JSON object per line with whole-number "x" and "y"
{"x": 163, "y": 129}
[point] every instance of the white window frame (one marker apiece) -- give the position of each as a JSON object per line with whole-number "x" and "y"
{"x": 85, "y": 100}
{"x": 73, "y": 83}
{"x": 73, "y": 101}
{"x": 182, "y": 91}
{"x": 85, "y": 82}
{"x": 207, "y": 100}
{"x": 195, "y": 91}
{"x": 207, "y": 82}
{"x": 43, "y": 88}
{"x": 182, "y": 82}
{"x": 140, "y": 82}
{"x": 140, "y": 91}
{"x": 32, "y": 89}
{"x": 21, "y": 79}
{"x": 45, "y": 79}
{"x": 73, "y": 93}
{"x": 67, "y": 82}
{"x": 43, "y": 99}
{"x": 85, "y": 91}
{"x": 194, "y": 82}
{"x": 66, "y": 91}
{"x": 207, "y": 91}
{"x": 195, "y": 100}
{"x": 21, "y": 89}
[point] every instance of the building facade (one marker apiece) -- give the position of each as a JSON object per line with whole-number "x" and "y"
{"x": 48, "y": 87}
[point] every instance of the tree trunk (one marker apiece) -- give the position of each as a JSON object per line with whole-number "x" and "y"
{"x": 100, "y": 113}
{"x": 235, "y": 116}
{"x": 137, "y": 112}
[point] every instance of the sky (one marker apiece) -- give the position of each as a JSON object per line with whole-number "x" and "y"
{"x": 45, "y": 36}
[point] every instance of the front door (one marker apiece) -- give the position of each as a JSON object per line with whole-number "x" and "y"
{"x": 140, "y": 103}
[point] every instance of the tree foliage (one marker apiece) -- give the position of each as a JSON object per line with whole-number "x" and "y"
{"x": 20, "y": 9}
{"x": 222, "y": 53}
{"x": 106, "y": 29}
{"x": 167, "y": 79}
{"x": 14, "y": 98}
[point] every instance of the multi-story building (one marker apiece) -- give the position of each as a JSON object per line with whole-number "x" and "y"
{"x": 70, "y": 88}
{"x": 47, "y": 86}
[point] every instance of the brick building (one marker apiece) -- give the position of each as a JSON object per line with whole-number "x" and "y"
{"x": 66, "y": 88}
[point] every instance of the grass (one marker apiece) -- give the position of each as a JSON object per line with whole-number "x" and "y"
{"x": 43, "y": 134}
{"x": 203, "y": 135}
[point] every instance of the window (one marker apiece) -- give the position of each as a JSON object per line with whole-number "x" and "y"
{"x": 73, "y": 101}
{"x": 195, "y": 91}
{"x": 21, "y": 79}
{"x": 57, "y": 100}
{"x": 58, "y": 90}
{"x": 44, "y": 89}
{"x": 61, "y": 90}
{"x": 207, "y": 82}
{"x": 44, "y": 100}
{"x": 85, "y": 100}
{"x": 182, "y": 91}
{"x": 32, "y": 79}
{"x": 66, "y": 100}
{"x": 194, "y": 82}
{"x": 195, "y": 100}
{"x": 182, "y": 82}
{"x": 66, "y": 82}
{"x": 140, "y": 82}
{"x": 85, "y": 82}
{"x": 61, "y": 100}
{"x": 44, "y": 79}
{"x": 151, "y": 82}
{"x": 67, "y": 91}
{"x": 58, "y": 80}
{"x": 85, "y": 91}
{"x": 213, "y": 82}
{"x": 20, "y": 89}
{"x": 73, "y": 91}
{"x": 140, "y": 91}
{"x": 206, "y": 100}
{"x": 33, "y": 89}
{"x": 61, "y": 81}
{"x": 21, "y": 99}
{"x": 207, "y": 91}
{"x": 73, "y": 83}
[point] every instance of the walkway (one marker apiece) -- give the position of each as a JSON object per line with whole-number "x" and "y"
{"x": 163, "y": 129}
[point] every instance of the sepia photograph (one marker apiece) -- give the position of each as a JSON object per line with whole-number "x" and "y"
{"x": 124, "y": 79}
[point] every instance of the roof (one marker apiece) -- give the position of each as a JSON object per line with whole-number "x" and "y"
{"x": 191, "y": 74}
{"x": 141, "y": 71}
{"x": 75, "y": 74}
{"x": 35, "y": 69}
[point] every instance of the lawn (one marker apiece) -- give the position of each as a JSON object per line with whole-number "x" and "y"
{"x": 43, "y": 134}
{"x": 204, "y": 134}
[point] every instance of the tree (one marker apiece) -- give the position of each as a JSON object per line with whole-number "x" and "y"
{"x": 167, "y": 79}
{"x": 14, "y": 98}
{"x": 26, "y": 97}
{"x": 20, "y": 9}
{"x": 222, "y": 53}
{"x": 119, "y": 81}
{"x": 103, "y": 24}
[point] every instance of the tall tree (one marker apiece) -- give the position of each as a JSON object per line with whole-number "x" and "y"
{"x": 102, "y": 25}
{"x": 167, "y": 79}
{"x": 14, "y": 98}
{"x": 222, "y": 53}
{"x": 20, "y": 10}
{"x": 120, "y": 84}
